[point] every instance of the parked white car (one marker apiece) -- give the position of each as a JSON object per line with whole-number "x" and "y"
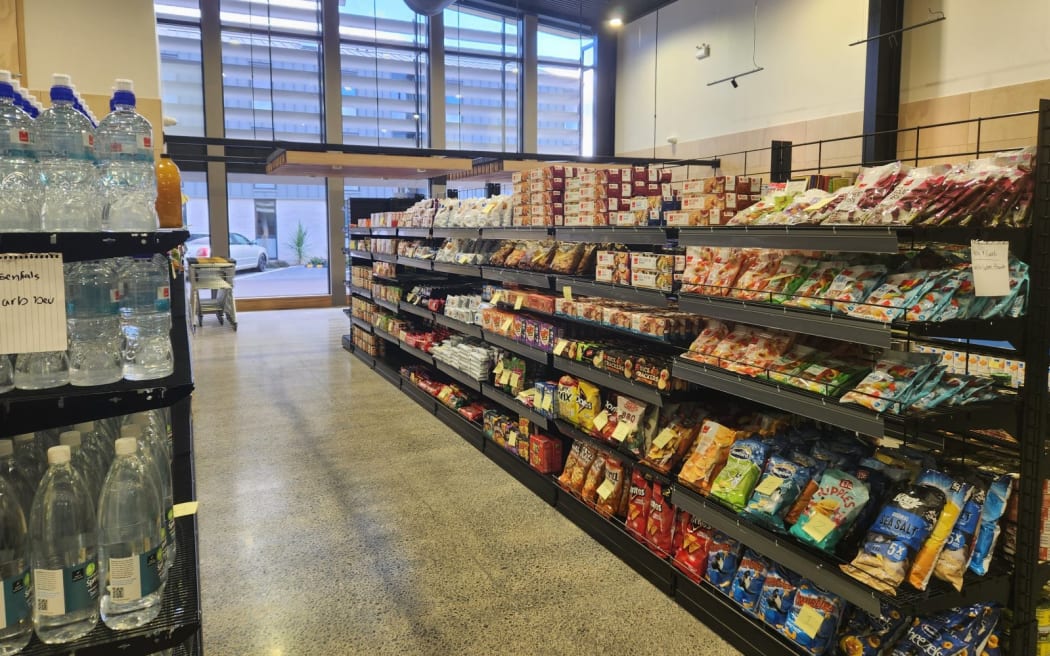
{"x": 244, "y": 251}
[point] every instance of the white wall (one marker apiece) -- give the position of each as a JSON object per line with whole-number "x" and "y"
{"x": 94, "y": 41}
{"x": 810, "y": 72}
{"x": 981, "y": 45}
{"x": 312, "y": 213}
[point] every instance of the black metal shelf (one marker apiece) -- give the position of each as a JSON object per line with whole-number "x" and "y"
{"x": 823, "y": 569}
{"x": 471, "y": 329}
{"x": 454, "y": 233}
{"x": 524, "y": 350}
{"x": 614, "y": 292}
{"x": 529, "y": 278}
{"x": 539, "y": 233}
{"x": 179, "y": 619}
{"x": 415, "y": 263}
{"x": 470, "y": 383}
{"x": 361, "y": 255}
{"x": 641, "y": 236}
{"x": 419, "y": 396}
{"x": 383, "y": 232}
{"x": 413, "y": 232}
{"x": 471, "y": 270}
{"x": 77, "y": 246}
{"x": 386, "y": 304}
{"x": 348, "y": 343}
{"x": 392, "y": 375}
{"x": 355, "y": 231}
{"x": 607, "y": 380}
{"x": 361, "y": 323}
{"x": 368, "y": 359}
{"x": 361, "y": 291}
{"x": 384, "y": 257}
{"x": 826, "y": 409}
{"x": 540, "y": 485}
{"x": 860, "y": 239}
{"x": 419, "y": 354}
{"x": 421, "y": 312}
{"x": 382, "y": 334}
{"x": 512, "y": 404}
{"x": 463, "y": 427}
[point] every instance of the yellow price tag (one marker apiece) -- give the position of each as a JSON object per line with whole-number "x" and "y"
{"x": 499, "y": 368}
{"x": 566, "y": 291}
{"x": 184, "y": 509}
{"x": 496, "y": 298}
{"x": 605, "y": 489}
{"x": 505, "y": 378}
{"x": 559, "y": 346}
{"x": 623, "y": 429}
{"x": 809, "y": 620}
{"x": 547, "y": 403}
{"x": 512, "y": 439}
{"x": 515, "y": 378}
{"x": 663, "y": 438}
{"x": 818, "y": 526}
{"x": 507, "y": 324}
{"x": 518, "y": 301}
{"x": 445, "y": 394}
{"x": 601, "y": 419}
{"x": 769, "y": 485}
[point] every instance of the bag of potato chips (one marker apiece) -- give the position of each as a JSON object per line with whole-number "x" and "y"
{"x": 956, "y": 494}
{"x": 639, "y": 495}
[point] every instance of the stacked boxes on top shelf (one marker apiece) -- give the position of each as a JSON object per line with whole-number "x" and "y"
{"x": 578, "y": 196}
{"x": 714, "y": 200}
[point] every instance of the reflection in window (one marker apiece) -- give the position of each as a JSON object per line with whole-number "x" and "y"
{"x": 182, "y": 84}
{"x": 287, "y": 16}
{"x": 372, "y": 188}
{"x": 565, "y": 93}
{"x": 183, "y": 10}
{"x": 195, "y": 209}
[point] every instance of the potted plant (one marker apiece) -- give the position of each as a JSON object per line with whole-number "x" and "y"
{"x": 300, "y": 242}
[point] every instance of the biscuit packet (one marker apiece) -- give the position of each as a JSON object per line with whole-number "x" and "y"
{"x": 814, "y": 619}
{"x": 693, "y": 538}
{"x": 659, "y": 529}
{"x": 639, "y": 493}
{"x": 956, "y": 494}
{"x": 832, "y": 510}
{"x": 748, "y": 581}
{"x": 735, "y": 483}
{"x": 775, "y": 492}
{"x": 723, "y": 557}
{"x": 864, "y": 634}
{"x": 777, "y": 597}
{"x": 897, "y": 535}
{"x": 709, "y": 455}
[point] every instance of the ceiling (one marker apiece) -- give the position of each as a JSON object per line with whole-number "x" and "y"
{"x": 591, "y": 11}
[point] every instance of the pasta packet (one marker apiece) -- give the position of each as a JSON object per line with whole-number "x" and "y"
{"x": 896, "y": 536}
{"x": 777, "y": 597}
{"x": 723, "y": 557}
{"x": 694, "y": 541}
{"x": 832, "y": 510}
{"x": 864, "y": 634}
{"x": 814, "y": 619}
{"x": 988, "y": 529}
{"x": 736, "y": 481}
{"x": 778, "y": 488}
{"x": 659, "y": 529}
{"x": 748, "y": 581}
{"x": 638, "y": 496}
{"x": 956, "y": 494}
{"x": 708, "y": 457}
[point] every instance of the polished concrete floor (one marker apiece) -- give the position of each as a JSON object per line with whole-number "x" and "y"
{"x": 337, "y": 517}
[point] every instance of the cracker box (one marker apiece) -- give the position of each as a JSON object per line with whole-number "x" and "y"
{"x": 648, "y": 279}
{"x": 545, "y": 454}
{"x": 652, "y": 261}
{"x": 604, "y": 273}
{"x": 686, "y": 218}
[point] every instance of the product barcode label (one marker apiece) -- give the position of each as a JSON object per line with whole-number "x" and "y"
{"x": 117, "y": 591}
{"x": 125, "y": 582}
{"x": 42, "y": 605}
{"x": 49, "y": 587}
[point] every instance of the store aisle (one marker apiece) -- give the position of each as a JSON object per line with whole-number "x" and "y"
{"x": 337, "y": 517}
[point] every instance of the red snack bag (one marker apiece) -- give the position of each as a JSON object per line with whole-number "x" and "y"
{"x": 659, "y": 529}
{"x": 692, "y": 539}
{"x": 638, "y": 498}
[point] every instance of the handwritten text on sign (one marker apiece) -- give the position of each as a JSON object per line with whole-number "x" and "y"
{"x": 32, "y": 303}
{"x": 991, "y": 267}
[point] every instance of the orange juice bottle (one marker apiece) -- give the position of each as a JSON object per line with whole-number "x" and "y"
{"x": 169, "y": 193}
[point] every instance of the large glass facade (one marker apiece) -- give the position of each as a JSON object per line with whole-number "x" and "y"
{"x": 482, "y": 80}
{"x": 565, "y": 91}
{"x": 182, "y": 84}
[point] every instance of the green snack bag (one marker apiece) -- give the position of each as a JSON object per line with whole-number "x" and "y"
{"x": 735, "y": 483}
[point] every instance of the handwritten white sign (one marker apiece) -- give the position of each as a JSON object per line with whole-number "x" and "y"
{"x": 32, "y": 303}
{"x": 991, "y": 267}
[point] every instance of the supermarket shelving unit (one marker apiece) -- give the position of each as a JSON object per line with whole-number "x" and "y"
{"x": 25, "y": 411}
{"x": 1025, "y": 415}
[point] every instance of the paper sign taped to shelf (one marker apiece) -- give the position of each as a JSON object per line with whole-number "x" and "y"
{"x": 518, "y": 301}
{"x": 991, "y": 267}
{"x": 515, "y": 378}
{"x": 504, "y": 378}
{"x": 809, "y": 620}
{"x": 496, "y": 298}
{"x": 566, "y": 291}
{"x": 623, "y": 429}
{"x": 818, "y": 525}
{"x": 32, "y": 303}
{"x": 661, "y": 440}
{"x": 769, "y": 485}
{"x": 605, "y": 489}
{"x": 185, "y": 509}
{"x": 512, "y": 439}
{"x": 559, "y": 347}
{"x": 601, "y": 419}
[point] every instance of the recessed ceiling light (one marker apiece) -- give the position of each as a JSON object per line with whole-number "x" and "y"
{"x": 615, "y": 21}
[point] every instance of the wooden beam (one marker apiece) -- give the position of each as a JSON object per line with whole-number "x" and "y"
{"x": 339, "y": 165}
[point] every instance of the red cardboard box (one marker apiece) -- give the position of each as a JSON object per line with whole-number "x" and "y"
{"x": 545, "y": 454}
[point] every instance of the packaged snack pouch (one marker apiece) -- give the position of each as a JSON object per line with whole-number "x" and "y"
{"x": 572, "y": 463}
{"x": 793, "y": 272}
{"x": 814, "y": 619}
{"x": 810, "y": 293}
{"x": 778, "y": 488}
{"x": 994, "y": 645}
{"x": 639, "y": 494}
{"x": 568, "y": 391}
{"x": 787, "y": 367}
{"x": 817, "y": 468}
{"x": 896, "y": 536}
{"x": 736, "y": 481}
{"x": 595, "y": 477}
{"x": 730, "y": 351}
{"x": 888, "y": 301}
{"x": 708, "y": 457}
{"x": 725, "y": 267}
{"x": 610, "y": 491}
{"x": 832, "y": 510}
{"x": 751, "y": 283}
{"x": 777, "y": 596}
{"x": 585, "y": 460}
{"x": 588, "y": 404}
{"x": 672, "y": 443}
{"x": 927, "y": 305}
{"x": 863, "y": 634}
{"x": 723, "y": 557}
{"x": 988, "y": 528}
{"x": 885, "y": 387}
{"x": 694, "y": 540}
{"x": 956, "y": 494}
{"x": 639, "y": 441}
{"x": 629, "y": 417}
{"x": 956, "y": 632}
{"x": 853, "y": 285}
{"x": 707, "y": 341}
{"x": 951, "y": 566}
{"x": 748, "y": 581}
{"x": 659, "y": 529}
{"x": 766, "y": 347}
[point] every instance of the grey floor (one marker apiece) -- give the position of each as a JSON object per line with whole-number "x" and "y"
{"x": 337, "y": 517}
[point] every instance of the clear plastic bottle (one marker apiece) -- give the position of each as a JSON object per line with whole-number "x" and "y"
{"x": 83, "y": 464}
{"x": 145, "y": 312}
{"x": 7, "y": 373}
{"x": 131, "y": 542}
{"x": 16, "y": 622}
{"x": 31, "y": 458}
{"x": 93, "y": 321}
{"x": 45, "y": 370}
{"x": 169, "y": 192}
{"x": 16, "y": 478}
{"x": 63, "y": 533}
{"x": 125, "y": 155}
{"x": 65, "y": 142}
{"x": 153, "y": 454}
{"x": 92, "y": 442}
{"x": 21, "y": 185}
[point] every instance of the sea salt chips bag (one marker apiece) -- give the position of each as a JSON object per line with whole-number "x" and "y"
{"x": 952, "y": 563}
{"x": 898, "y": 533}
{"x": 956, "y": 494}
{"x": 736, "y": 481}
{"x": 639, "y": 496}
{"x": 988, "y": 529}
{"x": 832, "y": 510}
{"x": 814, "y": 619}
{"x": 748, "y": 581}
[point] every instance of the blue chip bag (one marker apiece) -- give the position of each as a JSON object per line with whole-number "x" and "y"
{"x": 896, "y": 536}
{"x": 748, "y": 581}
{"x": 777, "y": 596}
{"x": 988, "y": 528}
{"x": 958, "y": 632}
{"x": 956, "y": 494}
{"x": 863, "y": 634}
{"x": 814, "y": 619}
{"x": 776, "y": 491}
{"x": 736, "y": 481}
{"x": 951, "y": 566}
{"x": 723, "y": 557}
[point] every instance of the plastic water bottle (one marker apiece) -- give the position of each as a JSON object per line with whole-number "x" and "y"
{"x": 21, "y": 187}
{"x": 96, "y": 446}
{"x": 152, "y": 453}
{"x": 16, "y": 478}
{"x": 44, "y": 370}
{"x": 31, "y": 458}
{"x": 131, "y": 542}
{"x": 64, "y": 553}
{"x": 145, "y": 309}
{"x": 82, "y": 463}
{"x": 7, "y": 373}
{"x": 16, "y": 623}
{"x": 125, "y": 155}
{"x": 93, "y": 321}
{"x": 65, "y": 143}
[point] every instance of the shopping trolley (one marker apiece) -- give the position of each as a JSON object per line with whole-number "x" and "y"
{"x": 214, "y": 276}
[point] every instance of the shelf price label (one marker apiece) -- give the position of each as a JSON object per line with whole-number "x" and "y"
{"x": 32, "y": 303}
{"x": 991, "y": 267}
